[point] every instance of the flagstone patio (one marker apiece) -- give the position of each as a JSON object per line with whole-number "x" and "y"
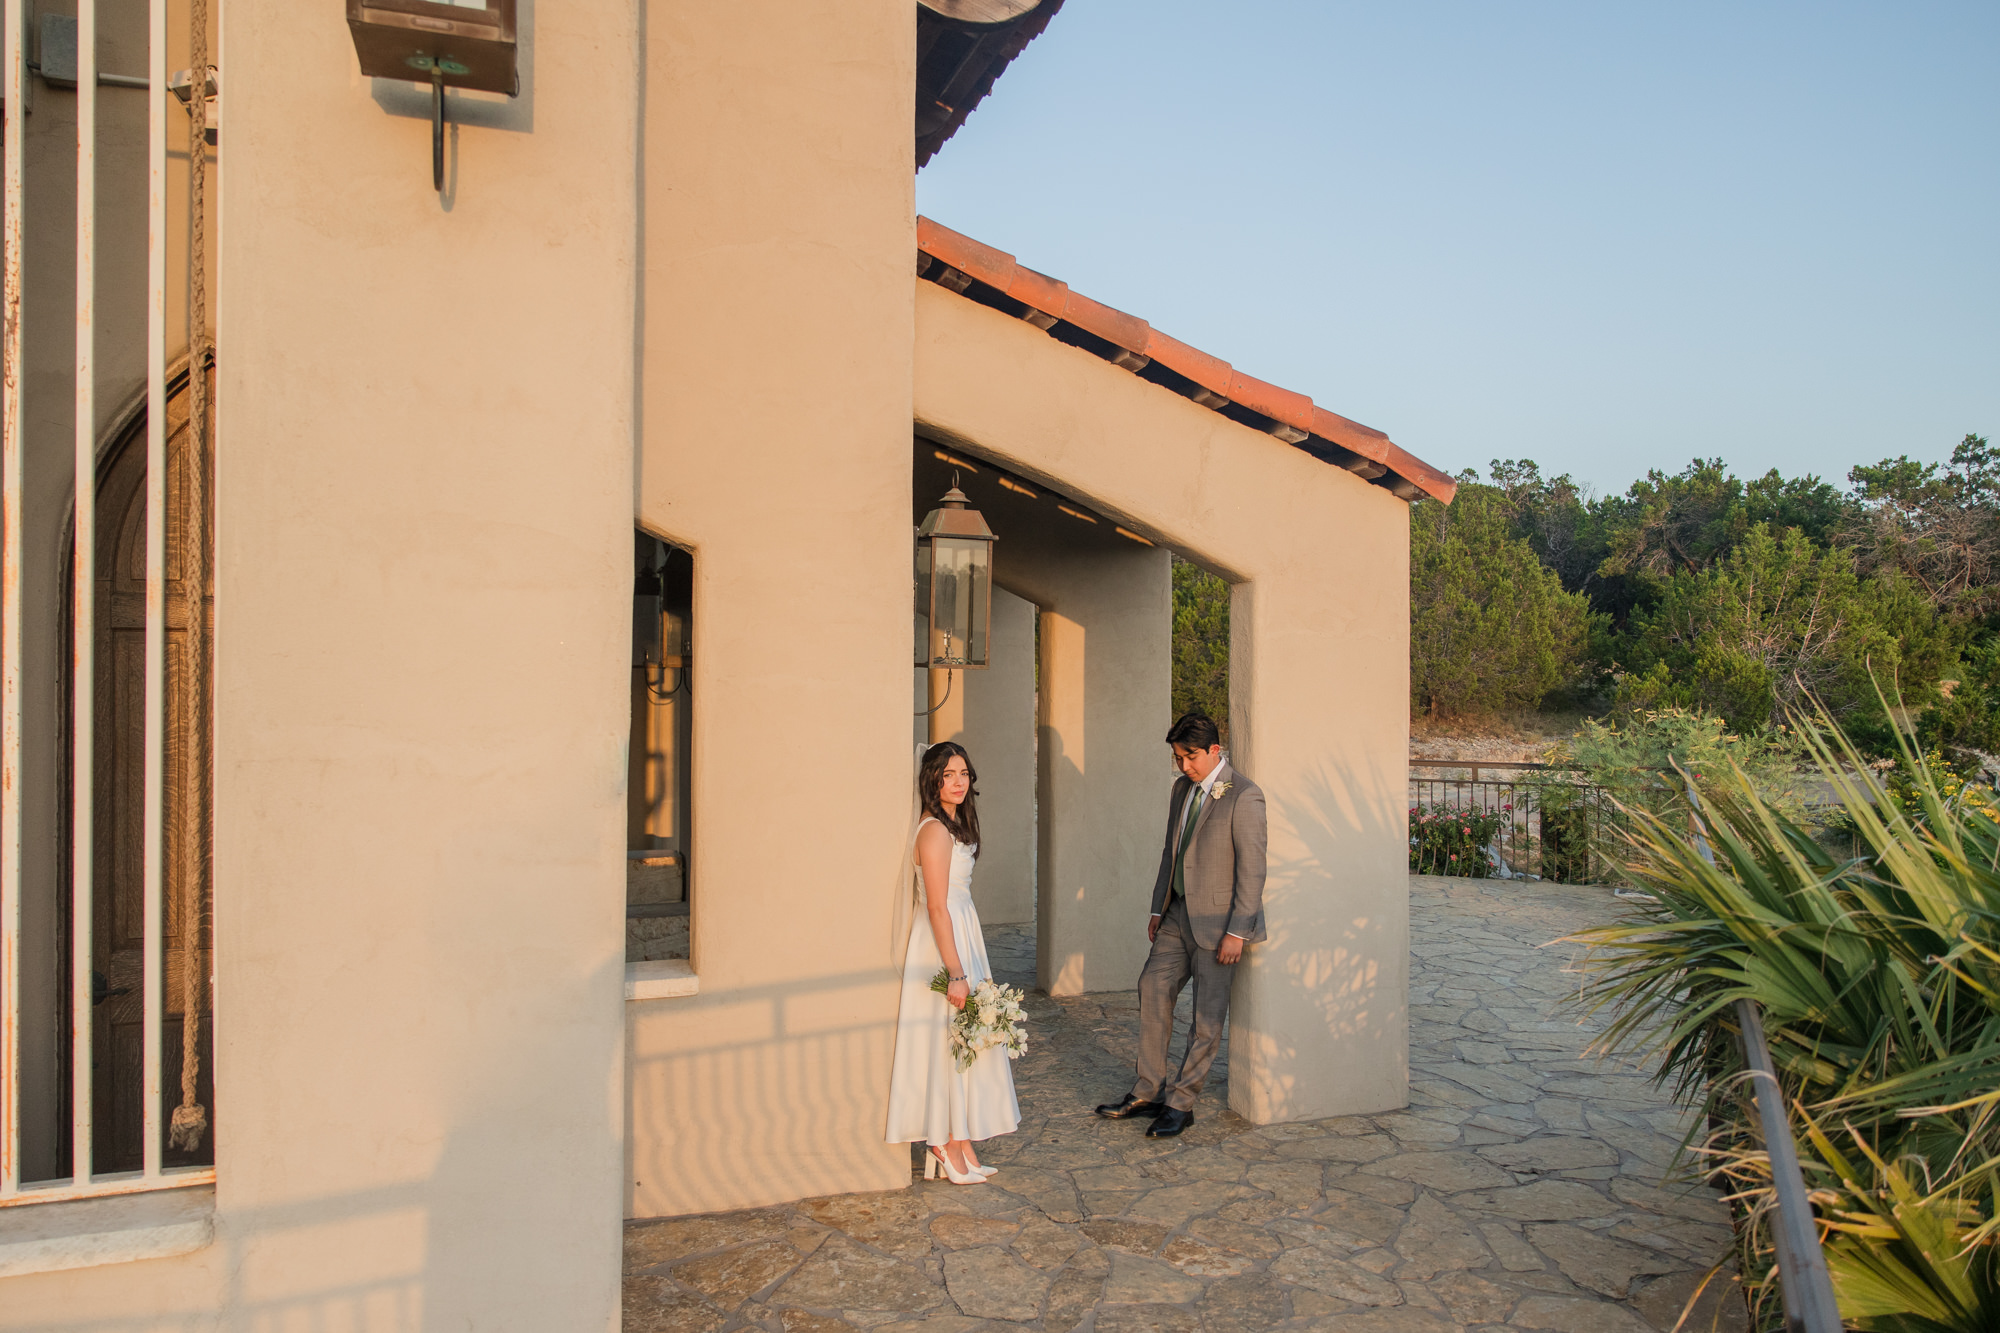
{"x": 1523, "y": 1188}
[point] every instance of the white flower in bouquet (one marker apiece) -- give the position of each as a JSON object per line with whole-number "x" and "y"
{"x": 992, "y": 1017}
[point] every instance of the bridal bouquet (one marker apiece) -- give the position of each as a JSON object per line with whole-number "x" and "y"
{"x": 992, "y": 1017}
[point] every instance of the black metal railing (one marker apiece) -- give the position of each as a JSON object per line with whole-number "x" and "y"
{"x": 1509, "y": 819}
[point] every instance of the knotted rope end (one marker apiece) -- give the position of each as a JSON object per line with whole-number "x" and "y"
{"x": 190, "y": 1122}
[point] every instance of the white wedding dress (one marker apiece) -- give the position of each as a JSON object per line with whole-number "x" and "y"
{"x": 930, "y": 1097}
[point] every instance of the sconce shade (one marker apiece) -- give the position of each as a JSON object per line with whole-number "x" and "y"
{"x": 954, "y": 605}
{"x": 472, "y": 43}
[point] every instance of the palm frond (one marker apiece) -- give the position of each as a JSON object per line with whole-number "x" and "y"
{"x": 1878, "y": 977}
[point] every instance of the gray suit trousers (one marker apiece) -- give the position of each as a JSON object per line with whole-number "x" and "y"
{"x": 1176, "y": 957}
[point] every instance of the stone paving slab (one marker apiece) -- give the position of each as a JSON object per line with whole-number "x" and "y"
{"x": 1525, "y": 1186}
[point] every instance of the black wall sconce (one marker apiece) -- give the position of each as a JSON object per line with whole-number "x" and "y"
{"x": 464, "y": 44}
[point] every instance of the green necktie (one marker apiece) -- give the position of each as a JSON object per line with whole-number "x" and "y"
{"x": 1187, "y": 837}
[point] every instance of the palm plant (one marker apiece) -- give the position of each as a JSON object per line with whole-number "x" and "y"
{"x": 1878, "y": 975}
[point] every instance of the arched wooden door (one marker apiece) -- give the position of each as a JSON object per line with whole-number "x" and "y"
{"x": 118, "y": 895}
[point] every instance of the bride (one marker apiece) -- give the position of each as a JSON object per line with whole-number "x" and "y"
{"x": 930, "y": 1097}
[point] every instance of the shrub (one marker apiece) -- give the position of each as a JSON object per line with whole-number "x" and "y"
{"x": 1444, "y": 841}
{"x": 1633, "y": 759}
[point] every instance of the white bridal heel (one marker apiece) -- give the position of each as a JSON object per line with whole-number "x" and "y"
{"x": 935, "y": 1161}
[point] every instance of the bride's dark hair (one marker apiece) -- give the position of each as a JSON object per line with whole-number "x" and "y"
{"x": 930, "y": 778}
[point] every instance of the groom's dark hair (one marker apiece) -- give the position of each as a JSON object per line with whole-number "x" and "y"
{"x": 1196, "y": 731}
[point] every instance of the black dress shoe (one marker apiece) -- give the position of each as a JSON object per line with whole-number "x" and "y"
{"x": 1128, "y": 1108}
{"x": 1170, "y": 1121}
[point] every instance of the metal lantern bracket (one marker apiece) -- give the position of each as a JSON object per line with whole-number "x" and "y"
{"x": 450, "y": 46}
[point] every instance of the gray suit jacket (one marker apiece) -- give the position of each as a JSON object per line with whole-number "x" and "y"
{"x": 1225, "y": 862}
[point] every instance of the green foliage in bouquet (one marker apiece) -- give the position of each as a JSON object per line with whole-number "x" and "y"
{"x": 992, "y": 1016}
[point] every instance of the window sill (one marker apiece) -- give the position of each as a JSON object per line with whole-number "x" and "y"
{"x": 662, "y": 980}
{"x": 118, "y": 1229}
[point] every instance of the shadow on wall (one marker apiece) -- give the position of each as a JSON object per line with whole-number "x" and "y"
{"x": 1354, "y": 982}
{"x": 761, "y": 1093}
{"x": 419, "y": 1256}
{"x": 1083, "y": 892}
{"x": 732, "y": 1102}
{"x": 1058, "y": 970}
{"x": 1097, "y": 856}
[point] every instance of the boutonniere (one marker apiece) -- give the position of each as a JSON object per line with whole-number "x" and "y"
{"x": 1220, "y": 790}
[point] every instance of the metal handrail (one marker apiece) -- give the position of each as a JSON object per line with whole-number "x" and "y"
{"x": 1804, "y": 1284}
{"x": 1803, "y": 1280}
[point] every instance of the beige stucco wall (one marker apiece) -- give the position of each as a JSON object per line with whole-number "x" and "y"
{"x": 1319, "y": 671}
{"x": 1107, "y": 638}
{"x": 992, "y": 714}
{"x": 778, "y": 242}
{"x": 424, "y": 565}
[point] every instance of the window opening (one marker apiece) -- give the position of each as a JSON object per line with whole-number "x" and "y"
{"x": 658, "y": 895}
{"x": 106, "y": 958}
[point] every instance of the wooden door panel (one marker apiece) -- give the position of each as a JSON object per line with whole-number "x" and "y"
{"x": 118, "y": 894}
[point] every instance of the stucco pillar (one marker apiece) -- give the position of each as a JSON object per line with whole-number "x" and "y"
{"x": 1107, "y": 636}
{"x": 995, "y": 722}
{"x": 1319, "y": 1025}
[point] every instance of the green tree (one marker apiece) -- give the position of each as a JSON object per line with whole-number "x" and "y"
{"x": 1938, "y": 526}
{"x": 1814, "y": 507}
{"x": 1967, "y": 712}
{"x": 1201, "y": 643}
{"x": 1553, "y": 515}
{"x": 1666, "y": 525}
{"x": 1491, "y": 627}
{"x": 1779, "y": 622}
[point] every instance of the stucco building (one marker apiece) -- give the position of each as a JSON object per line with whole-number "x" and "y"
{"x": 390, "y": 909}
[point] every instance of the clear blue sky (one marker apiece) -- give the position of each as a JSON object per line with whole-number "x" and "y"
{"x": 1605, "y": 236}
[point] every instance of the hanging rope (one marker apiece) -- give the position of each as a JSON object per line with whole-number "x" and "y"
{"x": 190, "y": 1119}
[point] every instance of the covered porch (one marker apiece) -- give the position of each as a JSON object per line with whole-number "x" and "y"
{"x": 1525, "y": 1187}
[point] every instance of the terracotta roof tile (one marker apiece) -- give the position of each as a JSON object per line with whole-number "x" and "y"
{"x": 993, "y": 267}
{"x": 1438, "y": 485}
{"x": 1039, "y": 290}
{"x": 1210, "y": 372}
{"x": 1293, "y": 409}
{"x": 1364, "y": 440}
{"x": 1292, "y": 416}
{"x": 1114, "y": 326}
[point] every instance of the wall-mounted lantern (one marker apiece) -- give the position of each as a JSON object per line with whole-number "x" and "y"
{"x": 954, "y": 587}
{"x": 662, "y": 598}
{"x": 453, "y": 44}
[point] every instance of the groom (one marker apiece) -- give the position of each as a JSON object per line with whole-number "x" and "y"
{"x": 1208, "y": 902}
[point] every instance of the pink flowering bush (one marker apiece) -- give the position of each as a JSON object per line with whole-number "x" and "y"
{"x": 1444, "y": 841}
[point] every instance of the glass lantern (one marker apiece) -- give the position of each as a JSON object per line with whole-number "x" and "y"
{"x": 954, "y": 603}
{"x": 454, "y": 43}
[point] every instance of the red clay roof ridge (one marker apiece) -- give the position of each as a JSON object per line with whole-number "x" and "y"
{"x": 956, "y": 261}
